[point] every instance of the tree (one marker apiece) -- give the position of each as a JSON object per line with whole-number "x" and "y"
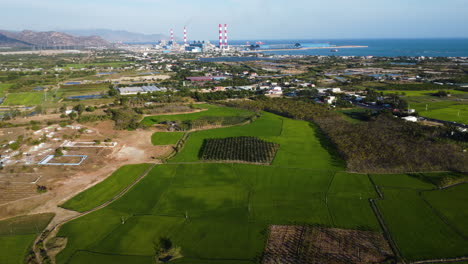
{"x": 165, "y": 244}
{"x": 80, "y": 108}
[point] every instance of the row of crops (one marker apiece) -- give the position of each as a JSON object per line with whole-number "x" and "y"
{"x": 250, "y": 149}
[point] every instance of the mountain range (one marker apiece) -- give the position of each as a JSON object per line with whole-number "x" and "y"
{"x": 117, "y": 36}
{"x": 48, "y": 39}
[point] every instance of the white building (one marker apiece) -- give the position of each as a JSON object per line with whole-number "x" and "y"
{"x": 275, "y": 91}
{"x": 410, "y": 118}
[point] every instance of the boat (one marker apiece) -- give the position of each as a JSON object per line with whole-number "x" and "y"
{"x": 334, "y": 50}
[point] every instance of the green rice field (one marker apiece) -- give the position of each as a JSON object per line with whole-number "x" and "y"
{"x": 104, "y": 191}
{"x": 220, "y": 212}
{"x": 28, "y": 99}
{"x": 166, "y": 138}
{"x": 206, "y": 111}
{"x": 18, "y": 234}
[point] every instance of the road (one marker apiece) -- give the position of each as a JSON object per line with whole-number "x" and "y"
{"x": 444, "y": 122}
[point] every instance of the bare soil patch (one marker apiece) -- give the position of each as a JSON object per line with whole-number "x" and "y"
{"x": 304, "y": 244}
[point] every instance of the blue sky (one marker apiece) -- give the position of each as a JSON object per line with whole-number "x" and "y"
{"x": 247, "y": 19}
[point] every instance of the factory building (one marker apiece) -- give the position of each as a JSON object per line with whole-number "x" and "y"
{"x": 141, "y": 90}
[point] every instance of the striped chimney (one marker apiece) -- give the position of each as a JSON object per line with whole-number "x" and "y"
{"x": 172, "y": 36}
{"x": 225, "y": 35}
{"x": 220, "y": 36}
{"x": 185, "y": 36}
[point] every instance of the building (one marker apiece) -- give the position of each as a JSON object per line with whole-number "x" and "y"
{"x": 141, "y": 90}
{"x": 410, "y": 118}
{"x": 330, "y": 99}
{"x": 275, "y": 91}
{"x": 333, "y": 90}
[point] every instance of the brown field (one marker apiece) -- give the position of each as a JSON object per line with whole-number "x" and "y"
{"x": 18, "y": 195}
{"x": 304, "y": 245}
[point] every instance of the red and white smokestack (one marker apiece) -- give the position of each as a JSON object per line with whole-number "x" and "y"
{"x": 185, "y": 36}
{"x": 225, "y": 35}
{"x": 172, "y": 36}
{"x": 220, "y": 36}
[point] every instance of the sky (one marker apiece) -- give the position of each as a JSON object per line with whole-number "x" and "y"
{"x": 247, "y": 19}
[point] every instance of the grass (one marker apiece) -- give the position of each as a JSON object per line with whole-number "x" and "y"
{"x": 106, "y": 189}
{"x": 29, "y": 99}
{"x": 422, "y": 92}
{"x": 207, "y": 111}
{"x": 17, "y": 235}
{"x": 166, "y": 138}
{"x": 4, "y": 88}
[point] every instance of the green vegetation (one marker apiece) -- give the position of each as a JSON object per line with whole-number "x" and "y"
{"x": 410, "y": 217}
{"x": 248, "y": 149}
{"x": 96, "y": 64}
{"x": 83, "y": 89}
{"x": 29, "y": 99}
{"x": 4, "y": 88}
{"x": 166, "y": 138}
{"x": 206, "y": 111}
{"x": 17, "y": 235}
{"x": 106, "y": 189}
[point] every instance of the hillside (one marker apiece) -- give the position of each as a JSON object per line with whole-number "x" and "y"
{"x": 53, "y": 38}
{"x": 10, "y": 42}
{"x": 117, "y": 35}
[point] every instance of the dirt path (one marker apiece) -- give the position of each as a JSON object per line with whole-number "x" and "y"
{"x": 66, "y": 216}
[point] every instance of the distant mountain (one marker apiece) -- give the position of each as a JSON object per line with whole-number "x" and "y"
{"x": 10, "y": 42}
{"x": 54, "y": 39}
{"x": 117, "y": 36}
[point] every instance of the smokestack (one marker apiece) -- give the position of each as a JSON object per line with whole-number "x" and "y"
{"x": 220, "y": 36}
{"x": 185, "y": 36}
{"x": 172, "y": 36}
{"x": 225, "y": 35}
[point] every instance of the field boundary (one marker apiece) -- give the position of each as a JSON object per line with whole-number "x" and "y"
{"x": 382, "y": 223}
{"x": 48, "y": 231}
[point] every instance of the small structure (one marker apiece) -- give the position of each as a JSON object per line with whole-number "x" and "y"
{"x": 48, "y": 158}
{"x": 410, "y": 118}
{"x": 275, "y": 91}
{"x": 140, "y": 90}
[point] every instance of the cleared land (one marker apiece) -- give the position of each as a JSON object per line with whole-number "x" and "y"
{"x": 300, "y": 244}
{"x": 17, "y": 235}
{"x": 166, "y": 138}
{"x": 106, "y": 189}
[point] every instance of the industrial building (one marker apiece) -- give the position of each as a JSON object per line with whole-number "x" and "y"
{"x": 141, "y": 90}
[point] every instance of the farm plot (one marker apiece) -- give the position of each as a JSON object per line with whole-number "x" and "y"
{"x": 28, "y": 99}
{"x": 248, "y": 149}
{"x": 208, "y": 114}
{"x": 418, "y": 231}
{"x": 107, "y": 189}
{"x": 452, "y": 203}
{"x": 266, "y": 126}
{"x": 17, "y": 235}
{"x": 300, "y": 244}
{"x": 166, "y": 138}
{"x": 83, "y": 89}
{"x": 4, "y": 88}
{"x": 215, "y": 213}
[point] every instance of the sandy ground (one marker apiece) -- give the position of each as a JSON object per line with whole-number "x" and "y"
{"x": 133, "y": 147}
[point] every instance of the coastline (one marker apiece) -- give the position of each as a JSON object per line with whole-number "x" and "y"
{"x": 307, "y": 48}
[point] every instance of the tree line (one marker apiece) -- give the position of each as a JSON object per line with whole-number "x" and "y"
{"x": 383, "y": 144}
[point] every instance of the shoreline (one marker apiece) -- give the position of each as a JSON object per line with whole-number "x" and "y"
{"x": 307, "y": 48}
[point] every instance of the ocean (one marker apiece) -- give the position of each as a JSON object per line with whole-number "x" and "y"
{"x": 378, "y": 47}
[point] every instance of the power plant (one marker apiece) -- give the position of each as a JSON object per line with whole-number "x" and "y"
{"x": 196, "y": 46}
